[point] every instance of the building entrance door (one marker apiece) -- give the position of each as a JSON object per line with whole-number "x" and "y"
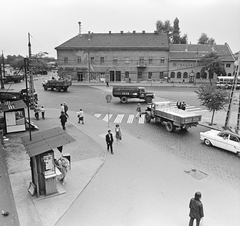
{"x": 112, "y": 76}
{"x": 80, "y": 76}
{"x": 118, "y": 76}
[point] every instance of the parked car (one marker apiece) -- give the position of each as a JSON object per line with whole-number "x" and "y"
{"x": 225, "y": 139}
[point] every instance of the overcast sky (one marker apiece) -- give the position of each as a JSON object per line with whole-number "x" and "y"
{"x": 52, "y": 22}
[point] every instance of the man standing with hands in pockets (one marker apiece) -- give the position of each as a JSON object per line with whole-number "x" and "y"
{"x": 109, "y": 141}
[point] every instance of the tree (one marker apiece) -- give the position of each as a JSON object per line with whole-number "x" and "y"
{"x": 165, "y": 27}
{"x": 213, "y": 98}
{"x": 183, "y": 39}
{"x": 176, "y": 32}
{"x": 204, "y": 39}
{"x": 212, "y": 64}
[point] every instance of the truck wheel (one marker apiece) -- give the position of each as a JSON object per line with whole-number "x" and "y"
{"x": 124, "y": 100}
{"x": 65, "y": 89}
{"x": 170, "y": 127}
{"x": 147, "y": 117}
{"x": 149, "y": 100}
{"x": 45, "y": 88}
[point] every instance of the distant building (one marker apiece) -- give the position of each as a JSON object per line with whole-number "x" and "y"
{"x": 184, "y": 61}
{"x": 121, "y": 57}
{"x": 114, "y": 56}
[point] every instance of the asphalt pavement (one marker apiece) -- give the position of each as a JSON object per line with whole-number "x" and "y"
{"x": 89, "y": 155}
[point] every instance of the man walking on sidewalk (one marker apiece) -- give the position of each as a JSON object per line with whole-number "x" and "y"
{"x": 109, "y": 141}
{"x": 196, "y": 209}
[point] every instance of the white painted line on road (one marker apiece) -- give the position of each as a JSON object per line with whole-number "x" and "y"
{"x": 119, "y": 118}
{"x": 193, "y": 109}
{"x": 107, "y": 117}
{"x": 97, "y": 115}
{"x": 199, "y": 111}
{"x": 130, "y": 119}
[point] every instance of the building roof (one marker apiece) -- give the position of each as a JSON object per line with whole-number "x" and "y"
{"x": 46, "y": 140}
{"x": 196, "y": 51}
{"x": 116, "y": 40}
{"x": 13, "y": 105}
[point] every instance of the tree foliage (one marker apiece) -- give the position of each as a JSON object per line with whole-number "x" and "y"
{"x": 176, "y": 32}
{"x": 213, "y": 98}
{"x": 204, "y": 39}
{"x": 212, "y": 64}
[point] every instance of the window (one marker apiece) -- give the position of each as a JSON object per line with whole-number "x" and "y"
{"x": 162, "y": 60}
{"x": 150, "y": 60}
{"x": 234, "y": 138}
{"x": 172, "y": 74}
{"x": 79, "y": 60}
{"x": 141, "y": 60}
{"x": 92, "y": 60}
{"x": 185, "y": 75}
{"x": 179, "y": 75}
{"x": 149, "y": 75}
{"x": 229, "y": 74}
{"x": 204, "y": 75}
{"x": 127, "y": 60}
{"x": 115, "y": 60}
{"x": 101, "y": 59}
{"x": 228, "y": 65}
{"x": 161, "y": 75}
{"x": 126, "y": 74}
{"x": 65, "y": 60}
{"x": 198, "y": 75}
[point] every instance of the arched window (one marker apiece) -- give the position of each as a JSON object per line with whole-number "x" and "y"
{"x": 185, "y": 75}
{"x": 65, "y": 60}
{"x": 204, "y": 76}
{"x": 172, "y": 74}
{"x": 179, "y": 75}
{"x": 198, "y": 75}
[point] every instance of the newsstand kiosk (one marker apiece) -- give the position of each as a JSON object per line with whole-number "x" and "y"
{"x": 40, "y": 151}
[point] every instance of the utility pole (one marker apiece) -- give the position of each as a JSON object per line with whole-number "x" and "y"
{"x": 31, "y": 85}
{"x": 2, "y": 71}
{"x": 233, "y": 89}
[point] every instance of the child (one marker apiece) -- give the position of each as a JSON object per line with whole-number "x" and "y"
{"x": 43, "y": 112}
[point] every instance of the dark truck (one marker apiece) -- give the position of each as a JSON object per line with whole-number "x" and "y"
{"x": 13, "y": 78}
{"x": 55, "y": 83}
{"x": 127, "y": 92}
{"x": 21, "y": 95}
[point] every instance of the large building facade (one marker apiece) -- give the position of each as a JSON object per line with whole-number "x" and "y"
{"x": 125, "y": 57}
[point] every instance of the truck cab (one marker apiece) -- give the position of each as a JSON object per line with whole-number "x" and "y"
{"x": 127, "y": 92}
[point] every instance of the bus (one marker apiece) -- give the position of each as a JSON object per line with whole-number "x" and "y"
{"x": 227, "y": 82}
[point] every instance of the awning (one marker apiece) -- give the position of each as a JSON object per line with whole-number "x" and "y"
{"x": 13, "y": 105}
{"x": 46, "y": 140}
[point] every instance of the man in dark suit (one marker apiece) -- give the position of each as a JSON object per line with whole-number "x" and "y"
{"x": 109, "y": 141}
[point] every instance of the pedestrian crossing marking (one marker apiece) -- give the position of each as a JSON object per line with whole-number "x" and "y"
{"x": 107, "y": 117}
{"x": 119, "y": 118}
{"x": 141, "y": 119}
{"x": 130, "y": 119}
{"x": 97, "y": 115}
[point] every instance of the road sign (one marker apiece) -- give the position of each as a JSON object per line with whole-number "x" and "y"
{"x": 108, "y": 98}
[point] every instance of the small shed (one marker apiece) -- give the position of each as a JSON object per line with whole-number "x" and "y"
{"x": 14, "y": 115}
{"x": 40, "y": 151}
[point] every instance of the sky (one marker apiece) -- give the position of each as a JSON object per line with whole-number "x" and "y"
{"x": 52, "y": 22}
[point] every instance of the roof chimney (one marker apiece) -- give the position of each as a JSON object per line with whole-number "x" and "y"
{"x": 134, "y": 32}
{"x": 110, "y": 32}
{"x": 143, "y": 32}
{"x": 80, "y": 28}
{"x": 121, "y": 32}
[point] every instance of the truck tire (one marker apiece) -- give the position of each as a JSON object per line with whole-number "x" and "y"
{"x": 45, "y": 88}
{"x": 147, "y": 118}
{"x": 124, "y": 100}
{"x": 148, "y": 100}
{"x": 170, "y": 127}
{"x": 65, "y": 89}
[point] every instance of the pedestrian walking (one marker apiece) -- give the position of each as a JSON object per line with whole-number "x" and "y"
{"x": 138, "y": 111}
{"x": 80, "y": 116}
{"x": 109, "y": 141}
{"x": 65, "y": 109}
{"x": 183, "y": 106}
{"x": 179, "y": 104}
{"x": 43, "y": 112}
{"x": 107, "y": 83}
{"x": 62, "y": 108}
{"x": 63, "y": 119}
{"x": 118, "y": 134}
{"x": 196, "y": 209}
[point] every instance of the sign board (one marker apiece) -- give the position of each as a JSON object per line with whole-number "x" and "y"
{"x": 108, "y": 98}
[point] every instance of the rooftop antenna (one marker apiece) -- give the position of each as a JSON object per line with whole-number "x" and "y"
{"x": 80, "y": 28}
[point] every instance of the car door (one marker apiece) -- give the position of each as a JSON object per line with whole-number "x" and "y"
{"x": 220, "y": 140}
{"x": 233, "y": 144}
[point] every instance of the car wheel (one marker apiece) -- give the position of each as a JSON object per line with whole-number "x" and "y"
{"x": 169, "y": 126}
{"x": 207, "y": 142}
{"x": 124, "y": 100}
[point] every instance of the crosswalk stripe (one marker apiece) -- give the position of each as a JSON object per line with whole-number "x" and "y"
{"x": 130, "y": 119}
{"x": 107, "y": 117}
{"x": 119, "y": 118}
{"x": 141, "y": 119}
{"x": 97, "y": 115}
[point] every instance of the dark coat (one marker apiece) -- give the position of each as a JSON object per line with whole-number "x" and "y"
{"x": 196, "y": 209}
{"x": 63, "y": 118}
{"x": 109, "y": 139}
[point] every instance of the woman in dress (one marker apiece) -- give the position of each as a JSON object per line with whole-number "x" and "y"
{"x": 118, "y": 134}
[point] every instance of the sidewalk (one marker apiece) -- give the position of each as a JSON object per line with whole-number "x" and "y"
{"x": 88, "y": 156}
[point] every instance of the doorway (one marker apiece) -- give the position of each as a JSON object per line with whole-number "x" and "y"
{"x": 80, "y": 76}
{"x": 112, "y": 76}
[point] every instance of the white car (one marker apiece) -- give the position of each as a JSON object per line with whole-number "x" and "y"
{"x": 226, "y": 140}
